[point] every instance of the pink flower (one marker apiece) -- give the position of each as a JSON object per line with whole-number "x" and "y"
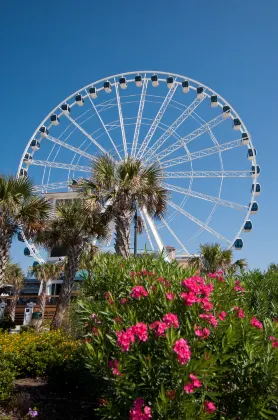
{"x": 93, "y": 316}
{"x": 238, "y": 287}
{"x": 202, "y": 333}
{"x": 132, "y": 274}
{"x": 159, "y": 328}
{"x": 108, "y": 297}
{"x": 209, "y": 407}
{"x": 141, "y": 331}
{"x": 182, "y": 350}
{"x": 189, "y": 388}
{"x": 125, "y": 338}
{"x": 210, "y": 318}
{"x": 136, "y": 412}
{"x": 256, "y": 323}
{"x": 196, "y": 382}
{"x": 189, "y": 298}
{"x": 114, "y": 365}
{"x": 217, "y": 275}
{"x": 144, "y": 272}
{"x": 206, "y": 332}
{"x": 171, "y": 320}
{"x": 206, "y": 304}
{"x": 138, "y": 291}
{"x": 199, "y": 332}
{"x": 240, "y": 313}
{"x": 222, "y": 316}
{"x": 170, "y": 296}
{"x": 123, "y": 301}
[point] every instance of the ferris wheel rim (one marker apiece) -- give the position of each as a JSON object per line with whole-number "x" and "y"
{"x": 233, "y": 114}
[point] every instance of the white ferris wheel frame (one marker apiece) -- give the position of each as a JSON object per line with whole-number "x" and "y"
{"x": 140, "y": 150}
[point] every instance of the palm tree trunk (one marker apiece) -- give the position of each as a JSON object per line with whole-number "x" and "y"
{"x": 5, "y": 245}
{"x": 122, "y": 227}
{"x": 13, "y": 306}
{"x": 71, "y": 267}
{"x": 42, "y": 301}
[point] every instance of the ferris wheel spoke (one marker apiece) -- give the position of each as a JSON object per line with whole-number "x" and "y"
{"x": 139, "y": 116}
{"x": 89, "y": 136}
{"x": 102, "y": 123}
{"x": 174, "y": 235}
{"x": 72, "y": 148}
{"x": 198, "y": 222}
{"x": 208, "y": 174}
{"x": 185, "y": 114}
{"x": 52, "y": 186}
{"x": 60, "y": 165}
{"x": 121, "y": 118}
{"x": 201, "y": 153}
{"x": 156, "y": 121}
{"x": 206, "y": 197}
{"x": 193, "y": 135}
{"x": 147, "y": 231}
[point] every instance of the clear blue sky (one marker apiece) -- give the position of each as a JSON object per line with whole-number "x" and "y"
{"x": 52, "y": 48}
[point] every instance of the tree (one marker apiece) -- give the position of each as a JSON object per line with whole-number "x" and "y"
{"x": 212, "y": 258}
{"x": 122, "y": 187}
{"x": 19, "y": 206}
{"x": 76, "y": 224}
{"x": 44, "y": 273}
{"x": 14, "y": 276}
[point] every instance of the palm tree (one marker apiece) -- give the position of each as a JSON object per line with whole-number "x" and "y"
{"x": 122, "y": 187}
{"x": 19, "y": 206}
{"x": 76, "y": 224}
{"x": 212, "y": 258}
{"x": 14, "y": 277}
{"x": 45, "y": 272}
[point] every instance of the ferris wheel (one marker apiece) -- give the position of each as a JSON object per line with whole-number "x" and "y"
{"x": 191, "y": 131}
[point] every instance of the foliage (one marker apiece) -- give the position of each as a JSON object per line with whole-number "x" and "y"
{"x": 14, "y": 276}
{"x": 31, "y": 354}
{"x": 121, "y": 189}
{"x": 212, "y": 258}
{"x": 262, "y": 292}
{"x": 176, "y": 351}
{"x": 19, "y": 205}
{"x": 6, "y": 380}
{"x": 76, "y": 224}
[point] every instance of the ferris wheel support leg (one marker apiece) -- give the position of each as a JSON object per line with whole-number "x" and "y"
{"x": 155, "y": 233}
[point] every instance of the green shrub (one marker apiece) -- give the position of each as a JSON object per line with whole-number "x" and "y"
{"x": 32, "y": 354}
{"x": 6, "y": 380}
{"x": 227, "y": 367}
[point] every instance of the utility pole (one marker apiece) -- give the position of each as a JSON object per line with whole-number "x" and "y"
{"x": 135, "y": 231}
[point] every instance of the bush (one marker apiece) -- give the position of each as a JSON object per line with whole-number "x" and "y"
{"x": 6, "y": 380}
{"x": 176, "y": 351}
{"x": 32, "y": 354}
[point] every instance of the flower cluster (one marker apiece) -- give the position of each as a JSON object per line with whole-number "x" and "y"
{"x": 274, "y": 341}
{"x": 114, "y": 365}
{"x": 125, "y": 338}
{"x": 32, "y": 413}
{"x": 170, "y": 296}
{"x": 182, "y": 349}
{"x": 168, "y": 321}
{"x": 140, "y": 411}
{"x": 209, "y": 407}
{"x": 240, "y": 312}
{"x": 138, "y": 292}
{"x": 256, "y": 323}
{"x": 222, "y": 316}
{"x": 194, "y": 383}
{"x": 204, "y": 333}
{"x": 197, "y": 292}
{"x": 218, "y": 275}
{"x": 238, "y": 287}
{"x": 141, "y": 273}
{"x": 165, "y": 283}
{"x": 210, "y": 318}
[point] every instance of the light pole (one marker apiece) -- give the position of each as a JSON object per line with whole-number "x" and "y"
{"x": 135, "y": 230}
